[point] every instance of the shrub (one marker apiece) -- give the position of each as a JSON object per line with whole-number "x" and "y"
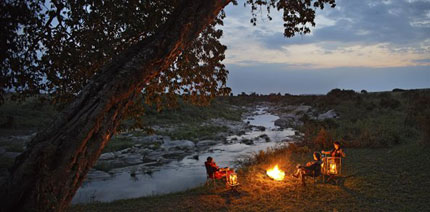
{"x": 323, "y": 140}
{"x": 342, "y": 94}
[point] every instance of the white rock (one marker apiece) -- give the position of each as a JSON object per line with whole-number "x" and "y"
{"x": 178, "y": 144}
{"x": 206, "y": 143}
{"x": 107, "y": 156}
{"x": 327, "y": 115}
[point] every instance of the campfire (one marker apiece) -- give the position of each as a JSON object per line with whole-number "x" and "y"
{"x": 275, "y": 173}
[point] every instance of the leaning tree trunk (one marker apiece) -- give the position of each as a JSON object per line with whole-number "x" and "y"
{"x": 47, "y": 175}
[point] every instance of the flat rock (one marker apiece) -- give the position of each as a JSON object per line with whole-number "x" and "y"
{"x": 205, "y": 143}
{"x": 178, "y": 144}
{"x": 107, "y": 156}
{"x": 327, "y": 115}
{"x": 132, "y": 159}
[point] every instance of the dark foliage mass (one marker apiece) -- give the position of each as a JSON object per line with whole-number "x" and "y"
{"x": 55, "y": 47}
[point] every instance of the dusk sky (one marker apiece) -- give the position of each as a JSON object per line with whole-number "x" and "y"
{"x": 374, "y": 45}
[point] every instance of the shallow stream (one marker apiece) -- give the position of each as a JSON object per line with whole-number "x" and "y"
{"x": 188, "y": 172}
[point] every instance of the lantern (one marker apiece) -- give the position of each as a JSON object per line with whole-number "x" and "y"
{"x": 333, "y": 169}
{"x": 331, "y": 166}
{"x": 232, "y": 179}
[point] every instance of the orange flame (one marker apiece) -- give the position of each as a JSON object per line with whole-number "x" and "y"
{"x": 232, "y": 179}
{"x": 333, "y": 169}
{"x": 275, "y": 173}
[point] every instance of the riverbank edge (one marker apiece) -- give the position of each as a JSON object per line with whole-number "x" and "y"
{"x": 381, "y": 179}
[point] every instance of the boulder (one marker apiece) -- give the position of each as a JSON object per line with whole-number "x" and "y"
{"x": 247, "y": 141}
{"x": 260, "y": 128}
{"x": 285, "y": 122}
{"x": 132, "y": 159}
{"x": 178, "y": 144}
{"x": 107, "y": 156}
{"x": 265, "y": 137}
{"x": 327, "y": 115}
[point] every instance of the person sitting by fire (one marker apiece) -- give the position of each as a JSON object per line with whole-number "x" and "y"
{"x": 336, "y": 152}
{"x": 214, "y": 171}
{"x": 312, "y": 168}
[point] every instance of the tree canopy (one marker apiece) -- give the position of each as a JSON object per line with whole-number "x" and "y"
{"x": 56, "y": 46}
{"x": 100, "y": 56}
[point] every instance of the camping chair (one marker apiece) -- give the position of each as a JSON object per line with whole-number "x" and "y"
{"x": 314, "y": 174}
{"x": 210, "y": 175}
{"x": 331, "y": 168}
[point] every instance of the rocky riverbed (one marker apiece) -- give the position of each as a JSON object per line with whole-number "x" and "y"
{"x": 157, "y": 164}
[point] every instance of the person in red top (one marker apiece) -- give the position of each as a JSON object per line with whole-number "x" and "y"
{"x": 214, "y": 171}
{"x": 336, "y": 152}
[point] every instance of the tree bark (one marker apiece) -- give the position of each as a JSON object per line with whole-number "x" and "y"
{"x": 47, "y": 175}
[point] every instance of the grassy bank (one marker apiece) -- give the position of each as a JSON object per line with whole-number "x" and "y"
{"x": 383, "y": 179}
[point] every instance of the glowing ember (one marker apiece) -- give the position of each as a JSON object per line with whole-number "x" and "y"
{"x": 275, "y": 173}
{"x": 333, "y": 169}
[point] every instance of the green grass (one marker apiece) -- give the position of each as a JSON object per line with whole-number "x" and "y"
{"x": 383, "y": 179}
{"x": 191, "y": 114}
{"x": 117, "y": 144}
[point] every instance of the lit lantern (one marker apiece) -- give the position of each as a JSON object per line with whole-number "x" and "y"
{"x": 232, "y": 179}
{"x": 275, "y": 173}
{"x": 331, "y": 166}
{"x": 333, "y": 169}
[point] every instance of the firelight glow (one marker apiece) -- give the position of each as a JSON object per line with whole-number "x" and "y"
{"x": 275, "y": 173}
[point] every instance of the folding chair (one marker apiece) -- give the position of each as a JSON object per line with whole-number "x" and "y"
{"x": 210, "y": 175}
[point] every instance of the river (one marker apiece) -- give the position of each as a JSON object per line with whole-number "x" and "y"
{"x": 188, "y": 172}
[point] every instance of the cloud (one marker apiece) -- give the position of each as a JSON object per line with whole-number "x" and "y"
{"x": 367, "y": 44}
{"x": 364, "y": 33}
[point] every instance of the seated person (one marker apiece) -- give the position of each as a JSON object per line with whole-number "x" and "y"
{"x": 214, "y": 171}
{"x": 312, "y": 168}
{"x": 336, "y": 152}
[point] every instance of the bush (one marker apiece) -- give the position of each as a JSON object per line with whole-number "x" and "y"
{"x": 343, "y": 94}
{"x": 323, "y": 140}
